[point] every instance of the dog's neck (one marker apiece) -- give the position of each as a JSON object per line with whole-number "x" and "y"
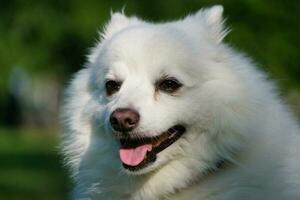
{"x": 155, "y": 187}
{"x": 220, "y": 164}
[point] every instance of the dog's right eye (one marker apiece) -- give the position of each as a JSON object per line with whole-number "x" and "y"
{"x": 112, "y": 87}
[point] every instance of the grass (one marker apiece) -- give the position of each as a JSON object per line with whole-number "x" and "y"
{"x": 30, "y": 167}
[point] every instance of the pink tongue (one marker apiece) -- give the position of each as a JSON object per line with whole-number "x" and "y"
{"x": 134, "y": 156}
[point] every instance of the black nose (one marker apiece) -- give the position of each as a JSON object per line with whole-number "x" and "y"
{"x": 124, "y": 119}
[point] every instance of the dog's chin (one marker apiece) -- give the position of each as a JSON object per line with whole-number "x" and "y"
{"x": 147, "y": 169}
{"x": 139, "y": 155}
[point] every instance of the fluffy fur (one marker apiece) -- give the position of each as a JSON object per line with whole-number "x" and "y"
{"x": 231, "y": 112}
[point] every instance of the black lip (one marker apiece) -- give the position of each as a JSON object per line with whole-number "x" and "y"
{"x": 175, "y": 131}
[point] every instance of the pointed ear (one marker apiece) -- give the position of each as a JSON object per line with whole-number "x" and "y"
{"x": 118, "y": 21}
{"x": 213, "y": 18}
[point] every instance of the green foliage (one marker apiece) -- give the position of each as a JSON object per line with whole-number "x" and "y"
{"x": 53, "y": 37}
{"x": 30, "y": 166}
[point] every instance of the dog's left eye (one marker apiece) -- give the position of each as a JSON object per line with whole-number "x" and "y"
{"x": 168, "y": 85}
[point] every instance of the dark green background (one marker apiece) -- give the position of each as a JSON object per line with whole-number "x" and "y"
{"x": 48, "y": 39}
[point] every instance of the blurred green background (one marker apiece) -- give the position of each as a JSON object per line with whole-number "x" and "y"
{"x": 42, "y": 42}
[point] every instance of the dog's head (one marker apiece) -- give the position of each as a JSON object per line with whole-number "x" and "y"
{"x": 163, "y": 89}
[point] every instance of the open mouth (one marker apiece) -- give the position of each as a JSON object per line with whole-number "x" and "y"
{"x": 137, "y": 153}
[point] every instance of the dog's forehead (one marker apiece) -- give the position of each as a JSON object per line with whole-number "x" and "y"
{"x": 147, "y": 39}
{"x": 153, "y": 48}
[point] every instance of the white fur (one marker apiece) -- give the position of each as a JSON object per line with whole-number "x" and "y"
{"x": 231, "y": 111}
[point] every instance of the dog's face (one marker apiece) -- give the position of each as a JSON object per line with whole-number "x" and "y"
{"x": 159, "y": 85}
{"x": 149, "y": 86}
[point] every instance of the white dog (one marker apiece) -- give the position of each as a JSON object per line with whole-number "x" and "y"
{"x": 168, "y": 111}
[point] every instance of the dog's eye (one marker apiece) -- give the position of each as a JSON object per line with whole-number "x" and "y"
{"x": 169, "y": 85}
{"x": 112, "y": 87}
